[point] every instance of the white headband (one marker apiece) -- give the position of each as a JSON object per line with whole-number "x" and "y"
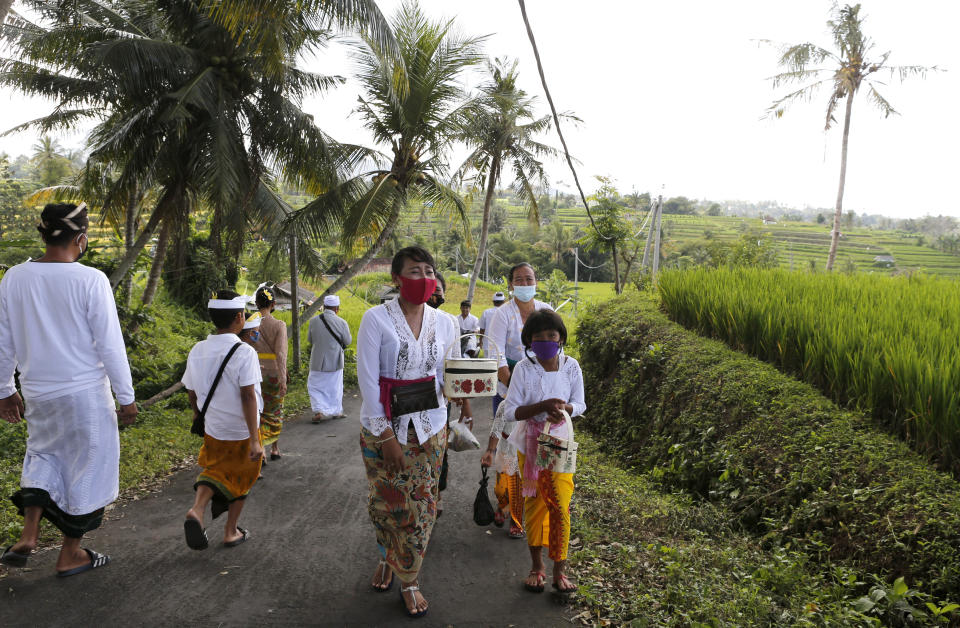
{"x": 253, "y": 322}
{"x": 237, "y": 303}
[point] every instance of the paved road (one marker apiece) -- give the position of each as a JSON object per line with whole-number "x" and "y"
{"x": 308, "y": 561}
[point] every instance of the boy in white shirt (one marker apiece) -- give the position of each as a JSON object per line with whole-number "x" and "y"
{"x": 469, "y": 324}
{"x": 231, "y": 453}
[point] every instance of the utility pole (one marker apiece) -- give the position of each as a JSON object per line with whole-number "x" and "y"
{"x": 456, "y": 257}
{"x": 486, "y": 259}
{"x": 646, "y": 249}
{"x": 576, "y": 278}
{"x": 656, "y": 245}
{"x": 295, "y": 300}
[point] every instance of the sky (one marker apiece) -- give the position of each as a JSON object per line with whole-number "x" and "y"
{"x": 673, "y": 98}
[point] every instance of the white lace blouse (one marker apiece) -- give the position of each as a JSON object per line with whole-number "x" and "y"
{"x": 386, "y": 347}
{"x": 531, "y": 384}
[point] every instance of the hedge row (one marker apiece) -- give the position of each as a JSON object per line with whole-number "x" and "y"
{"x": 789, "y": 464}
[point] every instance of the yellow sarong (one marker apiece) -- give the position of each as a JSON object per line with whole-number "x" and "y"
{"x": 227, "y": 469}
{"x": 547, "y": 516}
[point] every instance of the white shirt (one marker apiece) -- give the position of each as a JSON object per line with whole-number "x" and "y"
{"x": 224, "y": 419}
{"x": 470, "y": 323}
{"x": 504, "y": 331}
{"x": 386, "y": 348}
{"x": 531, "y": 384}
{"x": 59, "y": 326}
{"x": 485, "y": 319}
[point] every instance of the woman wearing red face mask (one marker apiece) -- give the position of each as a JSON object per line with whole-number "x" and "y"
{"x": 400, "y": 349}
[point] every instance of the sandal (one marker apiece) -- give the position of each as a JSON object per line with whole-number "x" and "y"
{"x": 410, "y": 613}
{"x": 275, "y": 456}
{"x": 382, "y": 565}
{"x": 236, "y": 542}
{"x": 541, "y": 579}
{"x": 498, "y": 519}
{"x": 96, "y": 560}
{"x": 516, "y": 532}
{"x": 564, "y": 591}
{"x": 11, "y": 558}
{"x": 195, "y": 534}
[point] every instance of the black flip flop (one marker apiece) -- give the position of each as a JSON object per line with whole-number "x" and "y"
{"x": 564, "y": 593}
{"x": 534, "y": 588}
{"x": 238, "y": 541}
{"x": 195, "y": 534}
{"x": 275, "y": 456}
{"x": 11, "y": 558}
{"x": 383, "y": 565}
{"x": 96, "y": 560}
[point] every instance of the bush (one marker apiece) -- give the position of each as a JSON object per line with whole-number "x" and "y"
{"x": 790, "y": 465}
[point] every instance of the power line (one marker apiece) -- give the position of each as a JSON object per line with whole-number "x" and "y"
{"x": 556, "y": 121}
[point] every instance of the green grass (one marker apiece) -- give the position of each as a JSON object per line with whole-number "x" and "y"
{"x": 887, "y": 345}
{"x": 643, "y": 557}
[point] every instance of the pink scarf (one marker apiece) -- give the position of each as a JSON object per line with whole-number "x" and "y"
{"x": 530, "y": 469}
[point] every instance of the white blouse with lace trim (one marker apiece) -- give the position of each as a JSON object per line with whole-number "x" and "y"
{"x": 386, "y": 347}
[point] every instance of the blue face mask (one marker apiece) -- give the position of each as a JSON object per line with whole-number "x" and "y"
{"x": 524, "y": 293}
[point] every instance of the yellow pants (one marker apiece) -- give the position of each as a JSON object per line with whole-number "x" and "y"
{"x": 507, "y": 490}
{"x": 547, "y": 515}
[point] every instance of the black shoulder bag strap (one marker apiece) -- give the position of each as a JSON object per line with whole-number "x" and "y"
{"x": 335, "y": 336}
{"x": 199, "y": 421}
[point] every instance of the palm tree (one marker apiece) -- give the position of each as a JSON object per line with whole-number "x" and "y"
{"x": 559, "y": 239}
{"x": 414, "y": 104}
{"x": 848, "y": 68}
{"x": 501, "y": 134}
{"x": 183, "y": 108}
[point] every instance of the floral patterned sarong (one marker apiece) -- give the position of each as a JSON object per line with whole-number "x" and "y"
{"x": 403, "y": 506}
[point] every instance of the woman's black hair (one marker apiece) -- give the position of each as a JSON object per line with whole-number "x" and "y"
{"x": 61, "y": 222}
{"x": 542, "y": 320}
{"x": 224, "y": 318}
{"x": 266, "y": 297}
{"x": 514, "y": 269}
{"x": 440, "y": 280}
{"x": 415, "y": 253}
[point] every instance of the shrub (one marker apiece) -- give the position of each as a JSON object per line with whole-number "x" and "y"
{"x": 790, "y": 465}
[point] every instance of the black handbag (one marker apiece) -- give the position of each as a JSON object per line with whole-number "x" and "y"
{"x": 413, "y": 398}
{"x": 482, "y": 508}
{"x": 199, "y": 419}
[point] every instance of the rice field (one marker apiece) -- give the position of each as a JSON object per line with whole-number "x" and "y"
{"x": 887, "y": 345}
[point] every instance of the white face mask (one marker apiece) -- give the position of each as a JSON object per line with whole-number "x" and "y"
{"x": 524, "y": 293}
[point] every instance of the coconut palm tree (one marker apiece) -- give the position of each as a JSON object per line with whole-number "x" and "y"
{"x": 844, "y": 70}
{"x": 414, "y": 104}
{"x": 559, "y": 239}
{"x": 502, "y": 135}
{"x": 182, "y": 107}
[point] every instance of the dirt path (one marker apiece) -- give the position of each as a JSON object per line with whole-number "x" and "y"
{"x": 308, "y": 561}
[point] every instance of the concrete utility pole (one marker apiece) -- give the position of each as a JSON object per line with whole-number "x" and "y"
{"x": 576, "y": 278}
{"x": 646, "y": 249}
{"x": 295, "y": 303}
{"x": 486, "y": 270}
{"x": 656, "y": 246}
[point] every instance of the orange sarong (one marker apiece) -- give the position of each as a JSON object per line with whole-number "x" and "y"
{"x": 227, "y": 469}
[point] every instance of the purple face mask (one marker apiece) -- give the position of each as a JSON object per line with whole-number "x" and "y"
{"x": 545, "y": 349}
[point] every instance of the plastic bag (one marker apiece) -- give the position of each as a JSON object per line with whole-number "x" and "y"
{"x": 482, "y": 508}
{"x": 461, "y": 438}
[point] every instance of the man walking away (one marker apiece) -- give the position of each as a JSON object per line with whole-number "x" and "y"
{"x": 329, "y": 336}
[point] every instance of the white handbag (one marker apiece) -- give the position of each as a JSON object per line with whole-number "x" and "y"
{"x": 557, "y": 454}
{"x": 470, "y": 377}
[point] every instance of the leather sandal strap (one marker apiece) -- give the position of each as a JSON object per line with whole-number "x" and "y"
{"x": 410, "y": 588}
